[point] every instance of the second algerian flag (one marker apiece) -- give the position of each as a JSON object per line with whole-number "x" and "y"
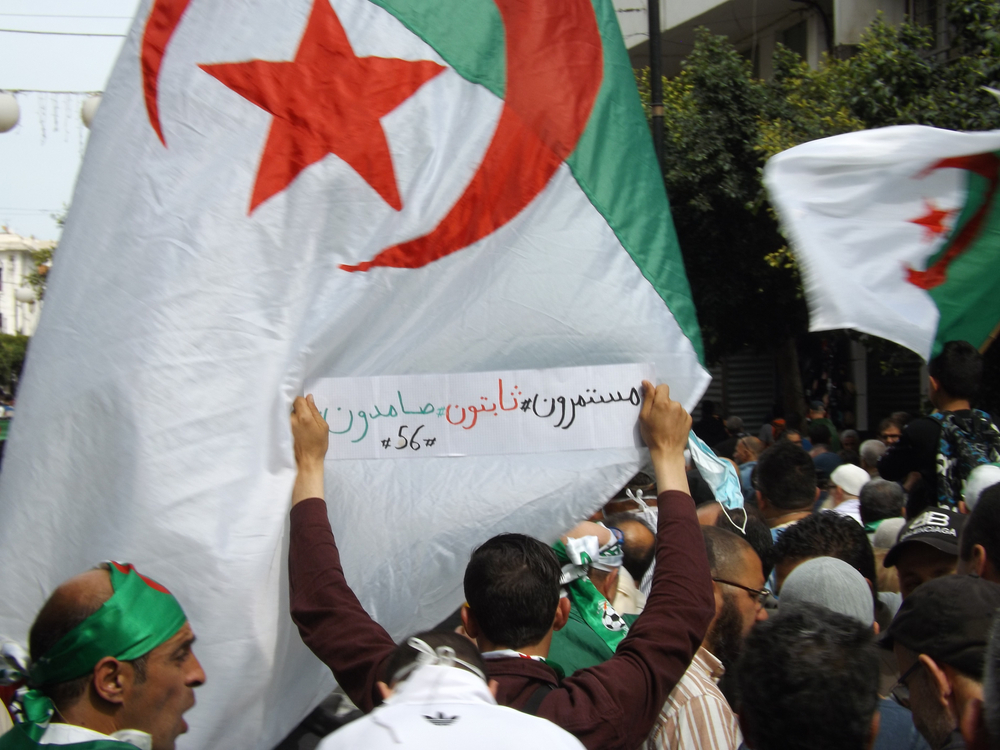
{"x": 896, "y": 231}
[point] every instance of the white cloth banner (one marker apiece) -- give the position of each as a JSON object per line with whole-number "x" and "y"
{"x": 483, "y": 413}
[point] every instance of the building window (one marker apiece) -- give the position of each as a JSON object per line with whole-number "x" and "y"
{"x": 796, "y": 39}
{"x": 933, "y": 14}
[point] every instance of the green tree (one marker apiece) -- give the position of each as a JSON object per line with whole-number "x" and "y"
{"x": 722, "y": 124}
{"x": 12, "y": 352}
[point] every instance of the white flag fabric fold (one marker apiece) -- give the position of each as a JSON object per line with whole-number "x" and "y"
{"x": 235, "y": 233}
{"x": 896, "y": 232}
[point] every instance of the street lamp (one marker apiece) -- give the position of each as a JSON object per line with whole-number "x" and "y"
{"x": 10, "y": 112}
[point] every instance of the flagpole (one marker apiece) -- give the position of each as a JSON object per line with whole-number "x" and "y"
{"x": 656, "y": 78}
{"x": 992, "y": 337}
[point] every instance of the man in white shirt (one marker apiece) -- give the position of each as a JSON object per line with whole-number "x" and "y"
{"x": 697, "y": 715}
{"x": 436, "y": 696}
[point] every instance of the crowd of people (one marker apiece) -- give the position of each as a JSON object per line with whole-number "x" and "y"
{"x": 847, "y": 602}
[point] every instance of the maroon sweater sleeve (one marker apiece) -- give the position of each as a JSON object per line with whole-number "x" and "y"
{"x": 615, "y": 704}
{"x": 331, "y": 620}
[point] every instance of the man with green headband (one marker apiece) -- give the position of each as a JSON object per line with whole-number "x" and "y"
{"x": 112, "y": 667}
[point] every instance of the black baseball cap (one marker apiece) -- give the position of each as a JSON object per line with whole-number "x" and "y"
{"x": 948, "y": 619}
{"x": 938, "y": 527}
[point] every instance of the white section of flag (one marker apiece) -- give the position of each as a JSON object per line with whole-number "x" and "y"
{"x": 153, "y": 418}
{"x": 847, "y": 203}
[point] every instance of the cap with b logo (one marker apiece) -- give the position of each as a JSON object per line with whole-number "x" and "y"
{"x": 937, "y": 527}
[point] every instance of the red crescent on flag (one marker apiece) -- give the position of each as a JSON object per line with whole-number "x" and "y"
{"x": 160, "y": 26}
{"x": 554, "y": 71}
{"x": 985, "y": 165}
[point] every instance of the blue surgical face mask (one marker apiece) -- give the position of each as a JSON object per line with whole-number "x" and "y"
{"x": 718, "y": 472}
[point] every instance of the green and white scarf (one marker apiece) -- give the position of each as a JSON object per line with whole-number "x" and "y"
{"x": 578, "y": 556}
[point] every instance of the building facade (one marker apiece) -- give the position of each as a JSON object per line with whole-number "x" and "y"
{"x": 19, "y": 308}
{"x": 810, "y": 27}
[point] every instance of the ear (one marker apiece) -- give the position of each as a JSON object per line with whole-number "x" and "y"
{"x": 939, "y": 679}
{"x": 469, "y": 622}
{"x": 972, "y": 726}
{"x": 112, "y": 679}
{"x": 816, "y": 496}
{"x": 761, "y": 501}
{"x": 562, "y": 613}
{"x": 963, "y": 508}
{"x": 493, "y": 685}
{"x": 384, "y": 690}
{"x": 933, "y": 383}
{"x": 978, "y": 560}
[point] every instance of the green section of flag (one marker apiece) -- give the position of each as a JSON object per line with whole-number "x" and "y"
{"x": 468, "y": 34}
{"x": 614, "y": 162}
{"x": 969, "y": 299}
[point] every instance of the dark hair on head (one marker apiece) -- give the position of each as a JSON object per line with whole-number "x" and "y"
{"x": 512, "y": 587}
{"x": 57, "y": 617}
{"x": 983, "y": 527}
{"x": 881, "y": 499}
{"x": 958, "y": 369}
{"x": 757, "y": 534}
{"x": 819, "y": 434}
{"x": 809, "y": 681}
{"x": 405, "y": 654}
{"x": 889, "y": 422}
{"x": 991, "y": 684}
{"x": 849, "y": 457}
{"x": 636, "y": 557}
{"x": 707, "y": 407}
{"x": 786, "y": 476}
{"x": 829, "y": 534}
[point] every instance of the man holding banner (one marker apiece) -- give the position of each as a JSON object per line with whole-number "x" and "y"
{"x": 513, "y": 617}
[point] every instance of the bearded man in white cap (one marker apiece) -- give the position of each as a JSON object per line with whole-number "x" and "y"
{"x": 846, "y": 482}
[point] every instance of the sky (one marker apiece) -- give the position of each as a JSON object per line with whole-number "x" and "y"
{"x": 40, "y": 157}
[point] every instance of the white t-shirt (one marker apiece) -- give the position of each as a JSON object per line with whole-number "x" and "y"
{"x": 70, "y": 734}
{"x": 440, "y": 708}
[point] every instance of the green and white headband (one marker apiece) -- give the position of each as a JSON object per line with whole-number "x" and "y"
{"x": 139, "y": 616}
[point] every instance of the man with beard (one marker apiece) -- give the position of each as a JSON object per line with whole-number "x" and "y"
{"x": 939, "y": 637}
{"x": 696, "y": 713}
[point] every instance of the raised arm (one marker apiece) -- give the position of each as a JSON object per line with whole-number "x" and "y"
{"x": 629, "y": 689}
{"x": 330, "y": 619}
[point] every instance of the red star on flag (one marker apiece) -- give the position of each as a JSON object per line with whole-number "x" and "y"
{"x": 325, "y": 101}
{"x": 933, "y": 220}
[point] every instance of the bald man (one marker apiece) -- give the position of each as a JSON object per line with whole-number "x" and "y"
{"x": 112, "y": 666}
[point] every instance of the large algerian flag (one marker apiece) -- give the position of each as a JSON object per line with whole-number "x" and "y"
{"x": 897, "y": 232}
{"x": 280, "y": 190}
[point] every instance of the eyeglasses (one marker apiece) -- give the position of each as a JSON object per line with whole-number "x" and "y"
{"x": 760, "y": 595}
{"x": 901, "y": 690}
